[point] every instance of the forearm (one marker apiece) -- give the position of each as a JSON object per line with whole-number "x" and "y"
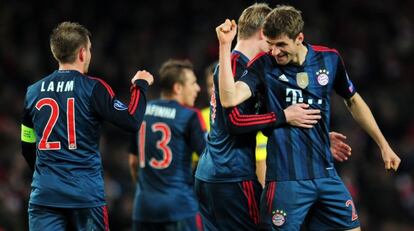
{"x": 238, "y": 123}
{"x": 364, "y": 117}
{"x": 227, "y": 88}
{"x": 29, "y": 153}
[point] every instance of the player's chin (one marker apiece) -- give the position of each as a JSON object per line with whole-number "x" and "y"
{"x": 282, "y": 59}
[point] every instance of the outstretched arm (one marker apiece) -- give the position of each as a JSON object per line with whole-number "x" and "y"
{"x": 363, "y": 115}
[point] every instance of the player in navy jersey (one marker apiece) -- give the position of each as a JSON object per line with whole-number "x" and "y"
{"x": 61, "y": 123}
{"x": 301, "y": 177}
{"x": 160, "y": 154}
{"x": 226, "y": 182}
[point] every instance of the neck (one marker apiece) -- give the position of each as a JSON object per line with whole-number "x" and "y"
{"x": 299, "y": 59}
{"x": 71, "y": 66}
{"x": 171, "y": 97}
{"x": 249, "y": 47}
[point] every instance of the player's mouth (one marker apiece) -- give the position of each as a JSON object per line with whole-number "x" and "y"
{"x": 281, "y": 57}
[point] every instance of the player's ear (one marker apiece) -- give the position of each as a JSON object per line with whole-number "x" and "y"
{"x": 82, "y": 54}
{"x": 177, "y": 87}
{"x": 299, "y": 39}
{"x": 261, "y": 35}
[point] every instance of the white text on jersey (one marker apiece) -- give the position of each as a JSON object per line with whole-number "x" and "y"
{"x": 164, "y": 112}
{"x": 61, "y": 86}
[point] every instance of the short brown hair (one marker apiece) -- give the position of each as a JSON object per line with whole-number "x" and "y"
{"x": 283, "y": 20}
{"x": 171, "y": 72}
{"x": 251, "y": 20}
{"x": 66, "y": 39}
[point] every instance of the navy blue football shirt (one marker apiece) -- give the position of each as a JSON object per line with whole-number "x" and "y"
{"x": 169, "y": 134}
{"x": 230, "y": 157}
{"x": 64, "y": 111}
{"x": 296, "y": 153}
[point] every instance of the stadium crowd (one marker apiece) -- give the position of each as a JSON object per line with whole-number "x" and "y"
{"x": 376, "y": 38}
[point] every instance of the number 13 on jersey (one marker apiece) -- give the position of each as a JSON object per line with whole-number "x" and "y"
{"x": 161, "y": 144}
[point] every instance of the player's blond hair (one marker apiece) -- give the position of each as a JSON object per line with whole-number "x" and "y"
{"x": 66, "y": 39}
{"x": 285, "y": 20}
{"x": 251, "y": 20}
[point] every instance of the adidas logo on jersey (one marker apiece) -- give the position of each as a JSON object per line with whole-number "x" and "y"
{"x": 283, "y": 78}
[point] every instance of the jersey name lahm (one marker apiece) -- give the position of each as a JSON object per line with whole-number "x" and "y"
{"x": 60, "y": 86}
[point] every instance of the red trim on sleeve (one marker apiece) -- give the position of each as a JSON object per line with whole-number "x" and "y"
{"x": 255, "y": 58}
{"x": 108, "y": 88}
{"x": 247, "y": 120}
{"x": 134, "y": 101}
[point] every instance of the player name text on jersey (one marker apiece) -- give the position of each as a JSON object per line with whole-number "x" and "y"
{"x": 60, "y": 86}
{"x": 164, "y": 112}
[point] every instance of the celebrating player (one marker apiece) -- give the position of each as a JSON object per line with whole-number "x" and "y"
{"x": 63, "y": 113}
{"x": 160, "y": 154}
{"x": 300, "y": 173}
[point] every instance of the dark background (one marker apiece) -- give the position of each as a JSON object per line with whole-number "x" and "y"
{"x": 375, "y": 38}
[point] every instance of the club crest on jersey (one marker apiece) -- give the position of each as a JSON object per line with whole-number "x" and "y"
{"x": 322, "y": 76}
{"x": 302, "y": 79}
{"x": 118, "y": 105}
{"x": 278, "y": 217}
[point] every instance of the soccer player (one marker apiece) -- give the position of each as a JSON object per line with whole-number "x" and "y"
{"x": 60, "y": 131}
{"x": 160, "y": 154}
{"x": 340, "y": 149}
{"x": 226, "y": 181}
{"x": 301, "y": 177}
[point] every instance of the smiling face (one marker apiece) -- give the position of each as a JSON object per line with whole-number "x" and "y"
{"x": 284, "y": 49}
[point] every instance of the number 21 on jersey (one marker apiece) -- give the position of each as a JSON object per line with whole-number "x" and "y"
{"x": 44, "y": 144}
{"x": 162, "y": 145}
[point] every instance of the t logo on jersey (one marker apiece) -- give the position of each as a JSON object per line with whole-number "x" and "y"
{"x": 295, "y": 96}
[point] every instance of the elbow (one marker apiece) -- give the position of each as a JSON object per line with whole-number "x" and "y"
{"x": 228, "y": 103}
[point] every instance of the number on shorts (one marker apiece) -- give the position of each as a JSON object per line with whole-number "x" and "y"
{"x": 354, "y": 214}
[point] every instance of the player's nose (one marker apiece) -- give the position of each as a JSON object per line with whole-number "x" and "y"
{"x": 274, "y": 51}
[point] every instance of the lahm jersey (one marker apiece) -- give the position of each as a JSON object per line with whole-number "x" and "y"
{"x": 296, "y": 153}
{"x": 230, "y": 155}
{"x": 169, "y": 134}
{"x": 62, "y": 118}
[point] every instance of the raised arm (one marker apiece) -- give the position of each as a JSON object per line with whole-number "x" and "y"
{"x": 363, "y": 116}
{"x": 231, "y": 93}
{"x": 108, "y": 106}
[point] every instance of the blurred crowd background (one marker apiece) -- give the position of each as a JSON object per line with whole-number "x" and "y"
{"x": 375, "y": 38}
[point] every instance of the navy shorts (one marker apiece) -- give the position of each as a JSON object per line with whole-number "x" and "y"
{"x": 229, "y": 206}
{"x": 325, "y": 202}
{"x": 189, "y": 224}
{"x": 45, "y": 218}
